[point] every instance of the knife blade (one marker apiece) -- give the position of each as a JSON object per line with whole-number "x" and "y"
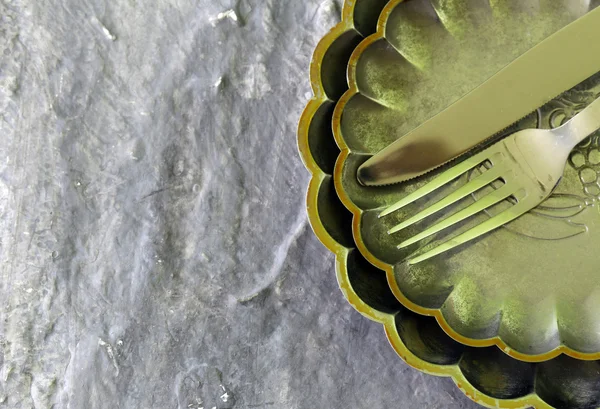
{"x": 527, "y": 83}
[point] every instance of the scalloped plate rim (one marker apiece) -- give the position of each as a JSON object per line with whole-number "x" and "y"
{"x": 387, "y": 320}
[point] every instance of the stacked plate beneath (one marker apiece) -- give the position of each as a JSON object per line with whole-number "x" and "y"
{"x": 428, "y": 54}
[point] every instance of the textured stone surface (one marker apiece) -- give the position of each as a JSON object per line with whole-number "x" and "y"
{"x": 154, "y": 247}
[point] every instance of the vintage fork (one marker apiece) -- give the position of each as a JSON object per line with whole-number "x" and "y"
{"x": 530, "y": 164}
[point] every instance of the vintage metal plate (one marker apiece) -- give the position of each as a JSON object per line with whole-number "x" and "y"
{"x": 530, "y": 288}
{"x": 486, "y": 375}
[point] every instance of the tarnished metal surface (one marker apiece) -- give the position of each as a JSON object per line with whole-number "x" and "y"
{"x": 486, "y": 375}
{"x": 530, "y": 288}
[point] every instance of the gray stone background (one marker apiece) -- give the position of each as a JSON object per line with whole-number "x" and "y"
{"x": 155, "y": 250}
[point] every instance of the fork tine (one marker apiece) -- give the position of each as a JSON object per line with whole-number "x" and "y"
{"x": 472, "y": 186}
{"x": 481, "y": 204}
{"x": 485, "y": 227}
{"x": 448, "y": 176}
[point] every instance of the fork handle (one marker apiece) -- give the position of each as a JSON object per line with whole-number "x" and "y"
{"x": 581, "y": 125}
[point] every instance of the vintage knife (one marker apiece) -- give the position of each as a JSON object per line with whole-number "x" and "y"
{"x": 555, "y": 65}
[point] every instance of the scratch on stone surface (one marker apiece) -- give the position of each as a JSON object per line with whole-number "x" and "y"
{"x": 111, "y": 354}
{"x": 280, "y": 256}
{"x": 155, "y": 192}
{"x": 260, "y": 405}
{"x": 169, "y": 329}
